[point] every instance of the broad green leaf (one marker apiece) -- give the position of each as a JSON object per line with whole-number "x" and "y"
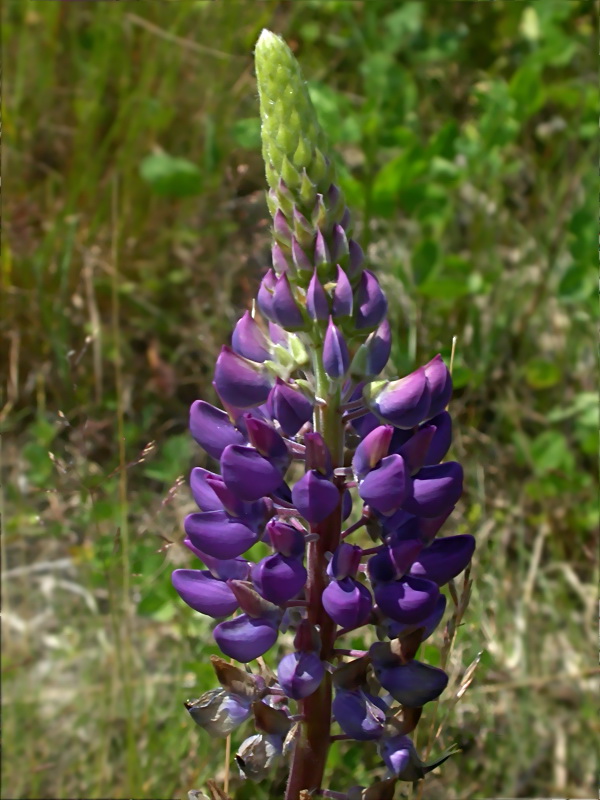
{"x": 169, "y": 176}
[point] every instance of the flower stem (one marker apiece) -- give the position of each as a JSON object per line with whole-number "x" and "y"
{"x": 310, "y": 753}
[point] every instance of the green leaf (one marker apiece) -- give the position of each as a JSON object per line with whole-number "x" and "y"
{"x": 169, "y": 176}
{"x": 542, "y": 374}
{"x": 550, "y": 451}
{"x": 424, "y": 260}
{"x": 246, "y": 133}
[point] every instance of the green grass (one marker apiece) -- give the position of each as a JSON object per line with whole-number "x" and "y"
{"x": 135, "y": 233}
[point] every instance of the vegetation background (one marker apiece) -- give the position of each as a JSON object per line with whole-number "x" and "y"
{"x": 136, "y": 232}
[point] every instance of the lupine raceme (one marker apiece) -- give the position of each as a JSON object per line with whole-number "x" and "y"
{"x": 316, "y": 449}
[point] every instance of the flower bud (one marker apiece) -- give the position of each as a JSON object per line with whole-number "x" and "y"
{"x": 248, "y": 340}
{"x": 370, "y": 302}
{"x": 289, "y": 407}
{"x": 240, "y": 382}
{"x": 317, "y": 304}
{"x": 336, "y": 359}
{"x": 403, "y": 403}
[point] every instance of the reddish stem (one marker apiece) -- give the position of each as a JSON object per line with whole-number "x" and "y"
{"x": 310, "y": 753}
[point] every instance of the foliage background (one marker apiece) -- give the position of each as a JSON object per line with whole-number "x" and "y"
{"x": 135, "y": 234}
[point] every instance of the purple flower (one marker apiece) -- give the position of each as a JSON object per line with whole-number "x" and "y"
{"x": 387, "y": 487}
{"x": 444, "y": 559}
{"x": 249, "y": 341}
{"x": 315, "y": 496}
{"x": 247, "y": 473}
{"x": 246, "y": 638}
{"x": 371, "y": 302}
{"x": 435, "y": 489}
{"x": 336, "y": 358}
{"x": 359, "y": 714}
{"x": 212, "y": 428}
{"x": 279, "y": 578}
{"x": 300, "y": 674}
{"x": 204, "y": 593}
{"x": 403, "y": 403}
{"x": 407, "y": 600}
{"x": 347, "y": 602}
{"x": 240, "y": 382}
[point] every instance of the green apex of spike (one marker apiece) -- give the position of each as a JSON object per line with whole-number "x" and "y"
{"x": 292, "y": 138}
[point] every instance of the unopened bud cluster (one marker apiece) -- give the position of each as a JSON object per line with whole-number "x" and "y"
{"x": 307, "y": 437}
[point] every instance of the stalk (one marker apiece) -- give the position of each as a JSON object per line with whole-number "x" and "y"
{"x": 310, "y": 753}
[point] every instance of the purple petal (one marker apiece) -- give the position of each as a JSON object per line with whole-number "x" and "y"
{"x": 336, "y": 358}
{"x": 395, "y": 629}
{"x": 398, "y": 753}
{"x": 371, "y": 302}
{"x": 249, "y": 341}
{"x": 281, "y": 227}
{"x": 435, "y": 489}
{"x": 264, "y": 298}
{"x": 444, "y": 559}
{"x": 345, "y": 561}
{"x": 203, "y": 494}
{"x": 408, "y": 600}
{"x": 339, "y": 245}
{"x": 347, "y": 602}
{"x": 317, "y": 304}
{"x": 412, "y": 684}
{"x": 440, "y": 384}
{"x": 394, "y": 561}
{"x": 371, "y": 450}
{"x": 301, "y": 261}
{"x": 267, "y": 442}
{"x": 239, "y": 381}
{"x": 244, "y": 638}
{"x": 442, "y": 439}
{"x": 359, "y": 714}
{"x": 415, "y": 450}
{"x": 212, "y": 428}
{"x": 315, "y": 497}
{"x": 247, "y": 474}
{"x": 322, "y": 255}
{"x": 300, "y": 674}
{"x": 356, "y": 258}
{"x": 224, "y": 569}
{"x": 342, "y": 295}
{"x": 214, "y": 533}
{"x": 286, "y": 539}
{"x": 279, "y": 579}
{"x": 286, "y": 310}
{"x": 347, "y": 505}
{"x": 379, "y": 345}
{"x": 405, "y": 402}
{"x": 386, "y": 488}
{"x": 290, "y": 407}
{"x": 204, "y": 593}
{"x": 279, "y": 260}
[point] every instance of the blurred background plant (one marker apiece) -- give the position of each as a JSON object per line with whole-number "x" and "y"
{"x": 135, "y": 234}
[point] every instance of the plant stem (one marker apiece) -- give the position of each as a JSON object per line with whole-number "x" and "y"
{"x": 310, "y": 753}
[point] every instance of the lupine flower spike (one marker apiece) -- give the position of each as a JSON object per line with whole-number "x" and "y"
{"x": 310, "y": 434}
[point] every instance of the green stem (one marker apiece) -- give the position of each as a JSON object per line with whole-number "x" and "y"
{"x": 310, "y": 754}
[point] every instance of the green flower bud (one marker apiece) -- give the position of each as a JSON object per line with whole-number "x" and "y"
{"x": 294, "y": 146}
